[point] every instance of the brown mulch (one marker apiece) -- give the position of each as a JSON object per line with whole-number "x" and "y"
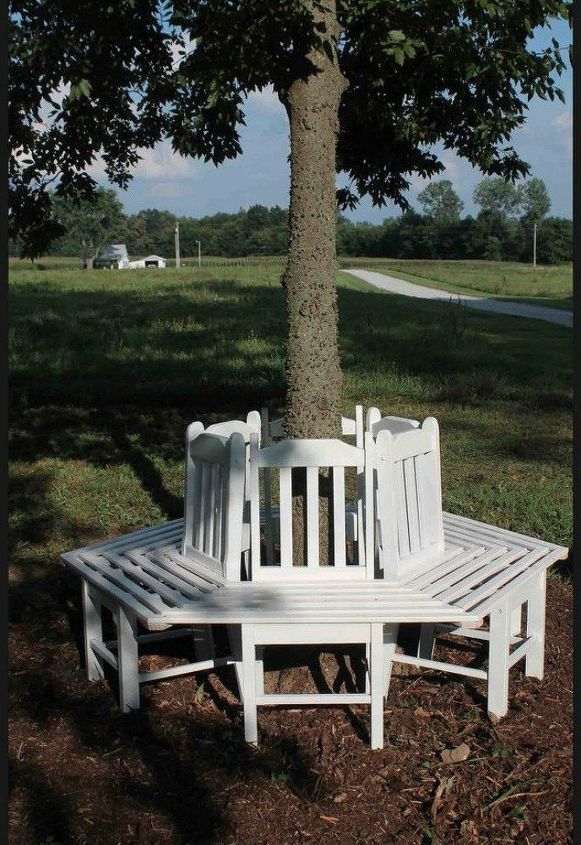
{"x": 179, "y": 771}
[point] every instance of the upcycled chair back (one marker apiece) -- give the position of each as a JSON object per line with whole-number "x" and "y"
{"x": 280, "y": 459}
{"x": 408, "y": 522}
{"x": 214, "y": 501}
{"x": 375, "y": 423}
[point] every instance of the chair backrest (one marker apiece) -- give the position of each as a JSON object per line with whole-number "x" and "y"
{"x": 253, "y": 424}
{"x": 214, "y": 501}
{"x": 410, "y": 532}
{"x": 375, "y": 423}
{"x": 312, "y": 456}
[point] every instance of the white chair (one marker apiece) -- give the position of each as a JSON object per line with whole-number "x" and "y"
{"x": 272, "y": 430}
{"x": 310, "y": 577}
{"x": 470, "y": 565}
{"x": 150, "y": 576}
{"x": 224, "y": 429}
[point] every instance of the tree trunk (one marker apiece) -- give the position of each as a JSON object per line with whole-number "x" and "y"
{"x": 312, "y": 354}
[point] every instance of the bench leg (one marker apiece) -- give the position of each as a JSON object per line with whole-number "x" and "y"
{"x": 377, "y": 668}
{"x": 536, "y": 603}
{"x": 259, "y": 670}
{"x": 427, "y": 641}
{"x": 249, "y": 684}
{"x": 390, "y": 633}
{"x": 516, "y": 621}
{"x": 92, "y": 630}
{"x": 498, "y": 669}
{"x": 127, "y": 660}
{"x": 235, "y": 642}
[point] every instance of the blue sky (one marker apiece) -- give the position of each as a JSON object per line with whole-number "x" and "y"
{"x": 261, "y": 175}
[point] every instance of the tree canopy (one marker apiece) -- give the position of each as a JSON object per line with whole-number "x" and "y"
{"x": 440, "y": 202}
{"x": 83, "y": 85}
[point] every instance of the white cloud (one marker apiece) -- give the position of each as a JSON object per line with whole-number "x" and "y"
{"x": 266, "y": 101}
{"x": 563, "y": 123}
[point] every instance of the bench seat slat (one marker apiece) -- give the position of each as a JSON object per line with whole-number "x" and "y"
{"x": 151, "y": 600}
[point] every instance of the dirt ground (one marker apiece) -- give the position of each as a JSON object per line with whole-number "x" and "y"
{"x": 179, "y": 772}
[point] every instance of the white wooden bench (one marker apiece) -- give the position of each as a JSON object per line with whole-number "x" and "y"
{"x": 470, "y": 565}
{"x": 179, "y": 578}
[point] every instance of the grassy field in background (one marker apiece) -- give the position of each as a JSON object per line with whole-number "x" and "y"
{"x": 550, "y": 286}
{"x": 108, "y": 368}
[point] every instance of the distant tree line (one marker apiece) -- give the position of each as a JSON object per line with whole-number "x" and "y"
{"x": 502, "y": 230}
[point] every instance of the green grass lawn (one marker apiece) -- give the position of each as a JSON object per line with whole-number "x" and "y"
{"x": 108, "y": 367}
{"x": 549, "y": 286}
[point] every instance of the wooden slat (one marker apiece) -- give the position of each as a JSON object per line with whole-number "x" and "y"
{"x": 411, "y": 497}
{"x": 286, "y": 517}
{"x": 494, "y": 533}
{"x": 314, "y": 453}
{"x": 111, "y": 590}
{"x": 119, "y": 578}
{"x": 134, "y": 538}
{"x": 465, "y": 571}
{"x": 503, "y": 577}
{"x": 298, "y": 698}
{"x": 519, "y": 581}
{"x": 401, "y": 511}
{"x": 199, "y": 580}
{"x": 138, "y": 573}
{"x": 312, "y": 516}
{"x": 339, "y": 556}
{"x": 424, "y": 663}
{"x": 463, "y": 585}
{"x": 166, "y": 570}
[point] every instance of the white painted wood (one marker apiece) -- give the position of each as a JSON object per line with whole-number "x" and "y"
{"x": 408, "y": 500}
{"x": 249, "y": 684}
{"x": 309, "y": 699}
{"x": 312, "y": 514}
{"x": 374, "y": 423}
{"x": 452, "y": 668}
{"x": 521, "y": 651}
{"x": 536, "y": 604}
{"x": 286, "y": 517}
{"x": 339, "y": 551}
{"x": 184, "y": 669}
{"x": 390, "y": 633}
{"x": 377, "y": 682}
{"x": 127, "y": 660}
{"x": 104, "y": 653}
{"x": 92, "y": 630}
{"x": 498, "y": 657}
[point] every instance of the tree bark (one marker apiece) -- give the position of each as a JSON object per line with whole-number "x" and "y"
{"x": 312, "y": 354}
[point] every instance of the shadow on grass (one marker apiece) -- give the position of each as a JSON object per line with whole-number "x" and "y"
{"x": 113, "y": 378}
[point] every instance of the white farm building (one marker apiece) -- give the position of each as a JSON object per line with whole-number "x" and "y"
{"x": 148, "y": 261}
{"x": 153, "y": 261}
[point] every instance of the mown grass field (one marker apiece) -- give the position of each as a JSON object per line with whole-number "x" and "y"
{"x": 107, "y": 369}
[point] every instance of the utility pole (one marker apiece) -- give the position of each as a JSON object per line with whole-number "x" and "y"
{"x": 199, "y": 253}
{"x": 534, "y": 246}
{"x": 177, "y": 234}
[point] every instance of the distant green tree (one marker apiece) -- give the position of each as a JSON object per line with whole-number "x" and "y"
{"x": 89, "y": 223}
{"x": 555, "y": 241}
{"x": 535, "y": 201}
{"x": 498, "y": 197}
{"x": 440, "y": 202}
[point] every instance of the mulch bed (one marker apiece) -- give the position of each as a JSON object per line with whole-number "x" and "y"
{"x": 179, "y": 772}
